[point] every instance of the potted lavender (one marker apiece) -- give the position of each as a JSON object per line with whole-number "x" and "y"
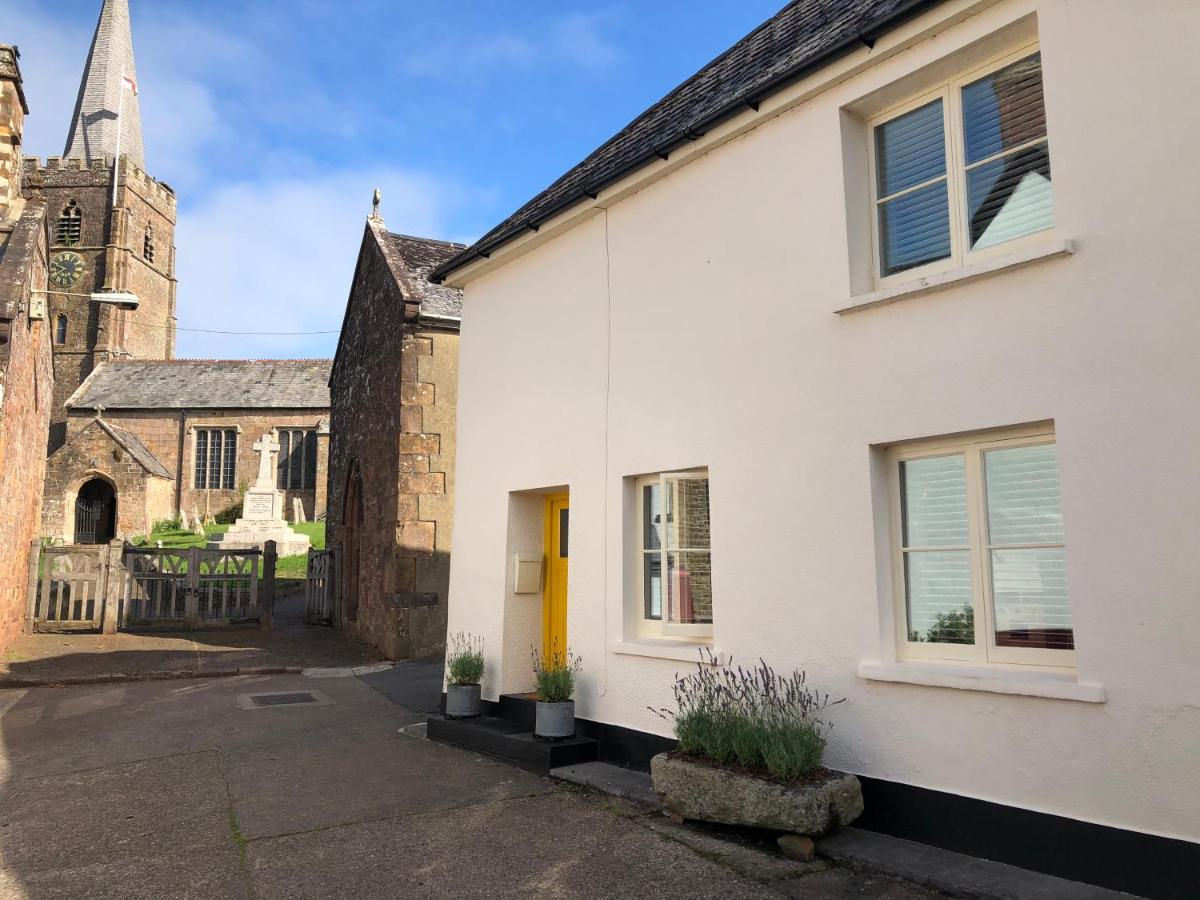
{"x": 464, "y": 669}
{"x": 555, "y": 674}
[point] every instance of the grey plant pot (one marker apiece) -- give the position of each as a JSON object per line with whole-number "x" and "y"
{"x": 462, "y": 701}
{"x": 555, "y": 720}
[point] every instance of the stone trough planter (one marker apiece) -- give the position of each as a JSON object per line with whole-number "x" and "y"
{"x": 707, "y": 793}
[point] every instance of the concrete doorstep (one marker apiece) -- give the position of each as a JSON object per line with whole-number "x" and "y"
{"x": 920, "y": 864}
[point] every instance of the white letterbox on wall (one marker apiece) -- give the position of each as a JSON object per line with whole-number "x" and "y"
{"x": 527, "y": 573}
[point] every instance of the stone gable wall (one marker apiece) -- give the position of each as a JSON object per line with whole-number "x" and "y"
{"x": 93, "y": 453}
{"x": 26, "y": 371}
{"x": 393, "y": 394}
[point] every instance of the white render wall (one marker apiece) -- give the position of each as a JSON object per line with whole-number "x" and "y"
{"x": 702, "y": 307}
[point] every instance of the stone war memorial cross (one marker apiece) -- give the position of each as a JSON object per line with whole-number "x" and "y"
{"x": 262, "y": 511}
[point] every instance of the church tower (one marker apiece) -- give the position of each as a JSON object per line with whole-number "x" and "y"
{"x": 112, "y": 226}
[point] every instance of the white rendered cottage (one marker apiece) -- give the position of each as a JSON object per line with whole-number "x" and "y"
{"x": 872, "y": 350}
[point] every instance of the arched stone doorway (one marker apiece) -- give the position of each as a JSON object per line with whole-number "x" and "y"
{"x": 96, "y": 512}
{"x": 352, "y": 521}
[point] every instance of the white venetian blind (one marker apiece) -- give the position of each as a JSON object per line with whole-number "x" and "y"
{"x": 1026, "y": 548}
{"x": 936, "y": 546}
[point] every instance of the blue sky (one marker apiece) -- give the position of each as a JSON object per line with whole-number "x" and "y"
{"x": 275, "y": 119}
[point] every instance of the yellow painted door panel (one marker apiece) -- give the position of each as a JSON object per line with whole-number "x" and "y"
{"x": 554, "y": 605}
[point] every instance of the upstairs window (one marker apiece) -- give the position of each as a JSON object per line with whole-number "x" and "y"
{"x": 297, "y": 468}
{"x": 675, "y": 556}
{"x": 216, "y": 458}
{"x": 60, "y": 330}
{"x": 962, "y": 169}
{"x": 148, "y": 245}
{"x": 69, "y": 229}
{"x": 980, "y": 551}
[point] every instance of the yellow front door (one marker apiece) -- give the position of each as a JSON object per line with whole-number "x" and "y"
{"x": 554, "y": 603}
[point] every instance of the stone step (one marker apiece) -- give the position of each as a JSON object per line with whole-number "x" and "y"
{"x": 511, "y": 742}
{"x": 628, "y": 784}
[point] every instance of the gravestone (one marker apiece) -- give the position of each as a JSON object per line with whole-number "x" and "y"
{"x": 298, "y": 510}
{"x": 262, "y": 511}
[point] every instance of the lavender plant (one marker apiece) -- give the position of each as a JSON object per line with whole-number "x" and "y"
{"x": 556, "y": 673}
{"x": 464, "y": 661}
{"x": 753, "y": 717}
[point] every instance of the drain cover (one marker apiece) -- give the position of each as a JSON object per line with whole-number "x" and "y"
{"x": 282, "y": 698}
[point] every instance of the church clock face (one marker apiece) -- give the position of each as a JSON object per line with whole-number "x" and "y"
{"x": 66, "y": 269}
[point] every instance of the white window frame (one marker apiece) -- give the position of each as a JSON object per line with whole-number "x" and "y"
{"x": 950, "y": 93}
{"x": 984, "y": 650}
{"x": 648, "y": 628}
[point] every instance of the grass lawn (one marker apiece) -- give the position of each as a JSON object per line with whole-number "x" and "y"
{"x": 285, "y": 566}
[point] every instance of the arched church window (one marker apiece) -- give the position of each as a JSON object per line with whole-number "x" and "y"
{"x": 148, "y": 244}
{"x": 60, "y": 330}
{"x": 70, "y": 225}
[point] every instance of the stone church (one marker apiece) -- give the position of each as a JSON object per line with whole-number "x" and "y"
{"x": 137, "y": 435}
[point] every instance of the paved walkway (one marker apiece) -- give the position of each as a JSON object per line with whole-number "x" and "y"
{"x": 192, "y": 788}
{"x": 38, "y": 658}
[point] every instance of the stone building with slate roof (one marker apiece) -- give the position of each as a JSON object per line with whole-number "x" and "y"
{"x": 135, "y": 435}
{"x": 870, "y": 350}
{"x": 391, "y": 463}
{"x": 176, "y": 436}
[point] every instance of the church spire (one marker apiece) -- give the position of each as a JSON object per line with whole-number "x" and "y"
{"x": 109, "y": 84}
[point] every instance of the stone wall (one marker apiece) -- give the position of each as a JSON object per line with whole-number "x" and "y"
{"x": 393, "y": 390}
{"x": 170, "y": 436}
{"x": 26, "y": 372}
{"x": 93, "y": 453}
{"x": 113, "y": 252}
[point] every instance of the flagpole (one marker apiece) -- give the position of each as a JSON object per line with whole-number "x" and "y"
{"x": 117, "y": 161}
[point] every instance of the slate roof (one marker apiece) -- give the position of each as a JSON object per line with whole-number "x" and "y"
{"x": 132, "y": 443}
{"x": 102, "y": 90}
{"x": 206, "y": 384}
{"x": 800, "y": 38}
{"x": 420, "y": 257}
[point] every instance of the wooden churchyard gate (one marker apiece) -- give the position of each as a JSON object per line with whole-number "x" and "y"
{"x": 110, "y": 586}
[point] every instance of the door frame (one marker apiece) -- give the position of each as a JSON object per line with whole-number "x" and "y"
{"x": 554, "y": 591}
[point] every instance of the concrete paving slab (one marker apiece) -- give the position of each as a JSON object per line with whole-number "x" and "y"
{"x": 610, "y": 779}
{"x": 838, "y": 884}
{"x": 285, "y": 787}
{"x": 556, "y": 845}
{"x": 150, "y": 807}
{"x": 111, "y": 724}
{"x": 953, "y": 873}
{"x": 213, "y": 874}
{"x": 77, "y": 658}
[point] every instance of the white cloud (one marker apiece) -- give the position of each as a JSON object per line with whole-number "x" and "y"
{"x": 175, "y": 56}
{"x": 580, "y": 37}
{"x": 279, "y": 255}
{"x": 577, "y": 40}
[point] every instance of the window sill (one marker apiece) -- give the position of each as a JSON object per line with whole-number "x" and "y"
{"x": 684, "y": 651}
{"x": 1050, "y": 685}
{"x": 942, "y": 280}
